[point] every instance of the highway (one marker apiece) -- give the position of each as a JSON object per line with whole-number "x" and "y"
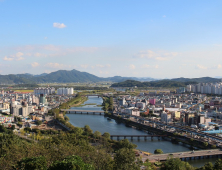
{"x": 183, "y": 155}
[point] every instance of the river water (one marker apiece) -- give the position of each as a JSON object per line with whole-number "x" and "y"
{"x": 100, "y": 123}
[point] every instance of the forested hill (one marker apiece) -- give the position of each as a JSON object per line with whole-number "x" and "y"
{"x": 161, "y": 83}
{"x": 62, "y": 76}
{"x": 198, "y": 80}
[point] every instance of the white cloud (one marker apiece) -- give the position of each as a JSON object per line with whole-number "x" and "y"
{"x": 17, "y": 56}
{"x": 198, "y": 66}
{"x": 150, "y": 66}
{"x": 46, "y": 38}
{"x": 131, "y": 66}
{"x": 201, "y": 66}
{"x": 35, "y": 64}
{"x": 8, "y": 58}
{"x": 47, "y": 71}
{"x": 52, "y": 50}
{"x": 99, "y": 65}
{"x": 59, "y": 25}
{"x": 103, "y": 72}
{"x": 145, "y": 66}
{"x": 39, "y": 55}
{"x": 55, "y": 65}
{"x": 164, "y": 16}
{"x": 156, "y": 55}
{"x": 84, "y": 65}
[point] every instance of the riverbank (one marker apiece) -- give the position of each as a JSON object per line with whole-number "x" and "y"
{"x": 82, "y": 100}
{"x": 174, "y": 137}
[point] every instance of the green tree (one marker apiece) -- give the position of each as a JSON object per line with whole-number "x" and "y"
{"x": 97, "y": 134}
{"x": 78, "y": 131}
{"x": 33, "y": 163}
{"x": 176, "y": 164}
{"x": 27, "y": 129}
{"x": 126, "y": 144}
{"x": 13, "y": 127}
{"x": 106, "y": 135}
{"x": 218, "y": 164}
{"x": 106, "y": 106}
{"x": 87, "y": 130}
{"x": 125, "y": 159}
{"x": 38, "y": 122}
{"x": 205, "y": 144}
{"x": 158, "y": 151}
{"x": 208, "y": 166}
{"x": 66, "y": 118}
{"x": 71, "y": 163}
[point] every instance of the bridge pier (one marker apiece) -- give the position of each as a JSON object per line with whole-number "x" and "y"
{"x": 87, "y": 113}
{"x": 145, "y": 138}
{"x": 75, "y": 112}
{"x": 100, "y": 113}
{"x": 81, "y": 112}
{"x": 131, "y": 137}
{"x": 124, "y": 137}
{"x": 118, "y": 138}
{"x": 138, "y": 138}
{"x": 94, "y": 113}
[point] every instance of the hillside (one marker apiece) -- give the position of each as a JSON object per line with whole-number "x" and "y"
{"x": 198, "y": 80}
{"x": 62, "y": 76}
{"x": 161, "y": 83}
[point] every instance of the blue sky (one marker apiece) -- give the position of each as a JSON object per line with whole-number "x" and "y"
{"x": 143, "y": 38}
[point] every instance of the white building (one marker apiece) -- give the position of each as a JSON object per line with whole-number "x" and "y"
{"x": 49, "y": 90}
{"x": 65, "y": 91}
{"x": 132, "y": 111}
{"x": 166, "y": 117}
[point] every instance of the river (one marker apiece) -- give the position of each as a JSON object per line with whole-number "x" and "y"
{"x": 100, "y": 123}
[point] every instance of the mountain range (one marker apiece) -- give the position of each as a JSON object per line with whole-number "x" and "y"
{"x": 73, "y": 76}
{"x": 62, "y": 76}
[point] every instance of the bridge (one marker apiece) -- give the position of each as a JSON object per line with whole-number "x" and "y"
{"x": 136, "y": 136}
{"x": 185, "y": 155}
{"x": 94, "y": 112}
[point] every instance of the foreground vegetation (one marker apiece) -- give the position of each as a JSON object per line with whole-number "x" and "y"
{"x": 77, "y": 148}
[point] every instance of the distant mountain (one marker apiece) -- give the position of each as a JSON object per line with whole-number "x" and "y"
{"x": 120, "y": 79}
{"x": 64, "y": 76}
{"x": 198, "y": 80}
{"x": 43, "y": 74}
{"x": 160, "y": 83}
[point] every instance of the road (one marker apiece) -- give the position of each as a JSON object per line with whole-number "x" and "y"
{"x": 189, "y": 154}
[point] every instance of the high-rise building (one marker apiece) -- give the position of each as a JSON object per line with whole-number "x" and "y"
{"x": 49, "y": 90}
{"x": 65, "y": 91}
